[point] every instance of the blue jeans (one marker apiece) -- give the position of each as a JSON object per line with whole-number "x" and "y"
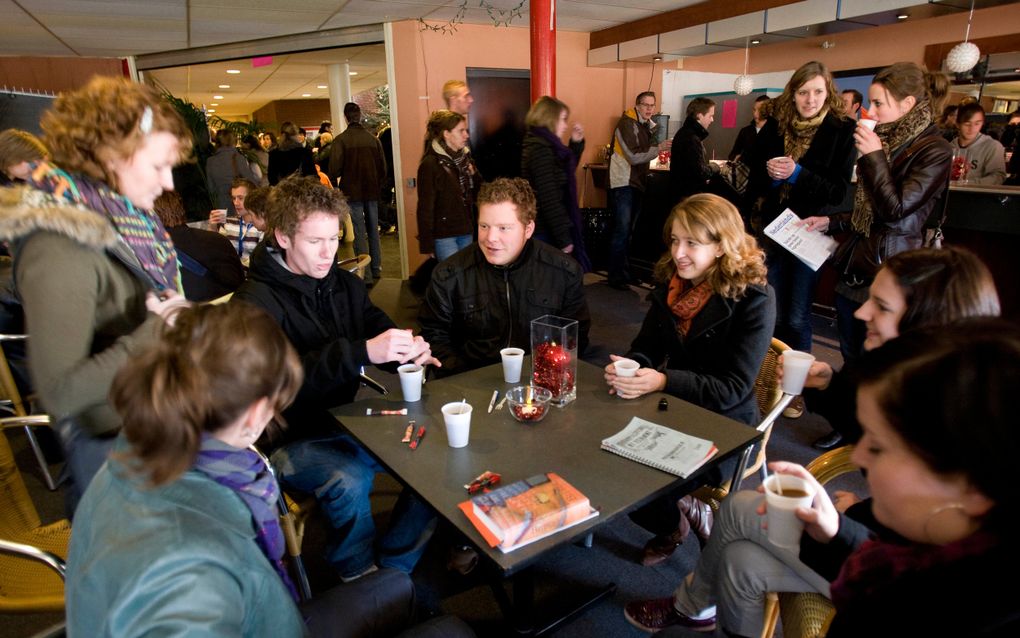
{"x": 851, "y": 329}
{"x": 626, "y": 205}
{"x": 339, "y": 472}
{"x": 85, "y": 454}
{"x": 794, "y": 284}
{"x": 447, "y": 247}
{"x": 365, "y": 218}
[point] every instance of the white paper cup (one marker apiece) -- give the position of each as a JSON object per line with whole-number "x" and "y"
{"x": 218, "y": 216}
{"x": 868, "y": 124}
{"x": 513, "y": 359}
{"x": 457, "y": 417}
{"x": 626, "y": 367}
{"x": 410, "y": 381}
{"x": 796, "y": 365}
{"x": 784, "y": 526}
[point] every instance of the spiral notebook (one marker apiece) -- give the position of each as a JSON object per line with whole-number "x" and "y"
{"x": 660, "y": 447}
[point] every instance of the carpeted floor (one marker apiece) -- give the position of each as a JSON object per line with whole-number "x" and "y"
{"x": 568, "y": 571}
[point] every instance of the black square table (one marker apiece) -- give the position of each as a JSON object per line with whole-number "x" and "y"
{"x": 567, "y": 442}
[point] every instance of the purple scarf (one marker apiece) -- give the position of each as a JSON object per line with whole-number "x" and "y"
{"x": 569, "y": 161}
{"x": 245, "y": 473}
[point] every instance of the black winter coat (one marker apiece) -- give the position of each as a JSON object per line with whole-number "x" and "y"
{"x": 826, "y": 168}
{"x": 689, "y": 168}
{"x": 289, "y": 158}
{"x": 442, "y": 211}
{"x": 473, "y": 309}
{"x": 328, "y": 321}
{"x": 716, "y": 364}
{"x": 548, "y": 177}
{"x": 903, "y": 192}
{"x": 213, "y": 252}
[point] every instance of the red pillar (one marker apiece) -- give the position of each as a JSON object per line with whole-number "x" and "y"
{"x": 543, "y": 48}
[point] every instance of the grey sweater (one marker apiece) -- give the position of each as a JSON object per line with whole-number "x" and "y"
{"x": 986, "y": 160}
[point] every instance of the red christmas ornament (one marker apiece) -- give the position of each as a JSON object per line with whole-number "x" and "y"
{"x": 552, "y": 369}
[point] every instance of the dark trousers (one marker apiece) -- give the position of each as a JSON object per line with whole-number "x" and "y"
{"x": 851, "y": 329}
{"x": 625, "y": 202}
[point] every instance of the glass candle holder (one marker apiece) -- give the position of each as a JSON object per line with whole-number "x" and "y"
{"x": 554, "y": 357}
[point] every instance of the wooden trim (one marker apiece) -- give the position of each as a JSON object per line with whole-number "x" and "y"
{"x": 701, "y": 13}
{"x": 934, "y": 54}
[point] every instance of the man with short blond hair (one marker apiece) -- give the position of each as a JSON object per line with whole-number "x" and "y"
{"x": 483, "y": 298}
{"x": 457, "y": 96}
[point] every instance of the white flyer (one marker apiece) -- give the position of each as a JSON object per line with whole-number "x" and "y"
{"x": 812, "y": 247}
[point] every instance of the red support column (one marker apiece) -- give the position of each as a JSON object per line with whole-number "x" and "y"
{"x": 543, "y": 48}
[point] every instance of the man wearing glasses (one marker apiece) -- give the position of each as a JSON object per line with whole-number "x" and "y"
{"x": 633, "y": 148}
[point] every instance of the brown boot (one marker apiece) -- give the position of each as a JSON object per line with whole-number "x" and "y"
{"x": 698, "y": 515}
{"x": 662, "y": 547}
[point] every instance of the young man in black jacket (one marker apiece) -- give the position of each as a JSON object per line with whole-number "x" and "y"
{"x": 483, "y": 298}
{"x": 335, "y": 328}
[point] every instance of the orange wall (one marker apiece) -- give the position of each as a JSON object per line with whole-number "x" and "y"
{"x": 53, "y": 75}
{"x": 864, "y": 48}
{"x": 596, "y": 96}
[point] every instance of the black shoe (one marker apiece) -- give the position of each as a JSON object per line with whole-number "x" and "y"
{"x": 829, "y": 441}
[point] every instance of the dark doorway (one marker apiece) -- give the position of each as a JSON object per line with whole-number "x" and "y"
{"x": 502, "y": 99}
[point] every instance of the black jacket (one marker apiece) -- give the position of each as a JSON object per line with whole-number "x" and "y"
{"x": 716, "y": 364}
{"x": 825, "y": 172}
{"x": 473, "y": 309}
{"x": 745, "y": 141}
{"x": 214, "y": 254}
{"x": 548, "y": 177}
{"x": 327, "y": 321}
{"x": 442, "y": 211}
{"x": 689, "y": 168}
{"x": 903, "y": 193}
{"x": 356, "y": 157}
{"x": 289, "y": 158}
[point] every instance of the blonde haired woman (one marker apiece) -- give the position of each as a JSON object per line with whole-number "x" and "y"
{"x": 704, "y": 339}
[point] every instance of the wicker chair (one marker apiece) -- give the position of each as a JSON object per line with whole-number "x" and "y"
{"x": 26, "y": 586}
{"x": 12, "y": 401}
{"x": 768, "y": 394}
{"x": 807, "y": 615}
{"x": 356, "y": 265}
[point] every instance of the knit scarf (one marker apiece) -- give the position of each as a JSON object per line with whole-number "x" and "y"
{"x": 247, "y": 475}
{"x": 462, "y": 160}
{"x": 686, "y": 301}
{"x": 797, "y": 139}
{"x": 566, "y": 157}
{"x": 894, "y": 135}
{"x": 876, "y": 564}
{"x": 141, "y": 230}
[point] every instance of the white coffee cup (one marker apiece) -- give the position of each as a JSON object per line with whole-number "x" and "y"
{"x": 457, "y": 417}
{"x": 513, "y": 359}
{"x": 218, "y": 216}
{"x": 784, "y": 527}
{"x": 868, "y": 124}
{"x": 410, "y": 381}
{"x": 796, "y": 365}
{"x": 626, "y": 367}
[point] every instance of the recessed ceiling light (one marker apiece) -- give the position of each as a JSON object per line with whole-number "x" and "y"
{"x": 233, "y": 71}
{"x": 210, "y": 110}
{"x": 306, "y": 95}
{"x": 902, "y": 16}
{"x": 215, "y": 104}
{"x": 217, "y": 97}
{"x": 755, "y": 41}
{"x": 322, "y": 86}
{"x": 353, "y": 73}
{"x": 224, "y": 86}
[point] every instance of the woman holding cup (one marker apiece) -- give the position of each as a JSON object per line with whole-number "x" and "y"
{"x": 902, "y": 174}
{"x": 703, "y": 340}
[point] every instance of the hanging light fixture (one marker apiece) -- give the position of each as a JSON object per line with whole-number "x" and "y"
{"x": 744, "y": 84}
{"x": 965, "y": 55}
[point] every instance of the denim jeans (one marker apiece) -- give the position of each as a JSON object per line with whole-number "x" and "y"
{"x": 365, "y": 218}
{"x": 447, "y": 247}
{"x": 626, "y": 206}
{"x": 84, "y": 455}
{"x": 339, "y": 472}
{"x": 794, "y": 284}
{"x": 851, "y": 329}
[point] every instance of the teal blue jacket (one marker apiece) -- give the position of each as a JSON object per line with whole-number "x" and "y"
{"x": 178, "y": 560}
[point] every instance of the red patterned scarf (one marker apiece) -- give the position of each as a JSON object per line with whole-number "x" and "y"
{"x": 686, "y": 301}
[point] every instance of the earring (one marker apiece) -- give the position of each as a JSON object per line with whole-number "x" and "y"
{"x": 956, "y": 507}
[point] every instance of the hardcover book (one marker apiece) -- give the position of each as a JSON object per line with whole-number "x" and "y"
{"x": 525, "y": 511}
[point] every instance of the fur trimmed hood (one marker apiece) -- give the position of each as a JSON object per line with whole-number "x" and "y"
{"x": 25, "y": 210}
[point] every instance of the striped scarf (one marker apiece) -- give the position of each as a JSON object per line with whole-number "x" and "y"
{"x": 462, "y": 160}
{"x": 244, "y": 472}
{"x": 141, "y": 230}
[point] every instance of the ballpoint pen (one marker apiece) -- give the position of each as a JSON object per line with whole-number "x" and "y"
{"x": 492, "y": 401}
{"x": 417, "y": 438}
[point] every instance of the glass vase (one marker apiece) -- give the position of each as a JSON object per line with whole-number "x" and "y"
{"x": 554, "y": 357}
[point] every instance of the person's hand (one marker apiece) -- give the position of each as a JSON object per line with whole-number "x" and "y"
{"x": 819, "y": 374}
{"x": 166, "y": 304}
{"x": 844, "y": 500}
{"x": 218, "y": 216}
{"x": 820, "y": 224}
{"x": 645, "y": 380}
{"x": 665, "y": 145}
{"x": 421, "y": 353}
{"x": 577, "y": 132}
{"x": 392, "y": 345}
{"x": 866, "y": 140}
{"x": 821, "y": 520}
{"x": 569, "y": 248}
{"x": 780, "y": 167}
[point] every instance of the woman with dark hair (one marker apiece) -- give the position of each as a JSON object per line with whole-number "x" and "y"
{"x": 902, "y": 175}
{"x": 96, "y": 269}
{"x": 223, "y": 167}
{"x": 290, "y": 156}
{"x": 550, "y": 166}
{"x": 802, "y": 159}
{"x": 447, "y": 185}
{"x": 921, "y": 289}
